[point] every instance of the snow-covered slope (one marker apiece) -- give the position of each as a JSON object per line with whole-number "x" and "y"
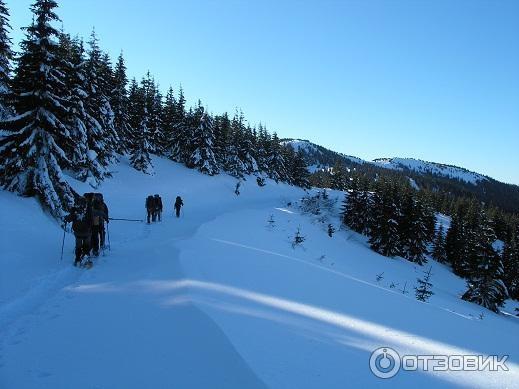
{"x": 411, "y": 164}
{"x": 220, "y": 298}
{"x": 434, "y": 168}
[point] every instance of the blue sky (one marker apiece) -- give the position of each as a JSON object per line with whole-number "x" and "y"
{"x": 436, "y": 80}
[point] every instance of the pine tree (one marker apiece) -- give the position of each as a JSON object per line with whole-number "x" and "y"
{"x": 103, "y": 141}
{"x": 298, "y": 170}
{"x": 32, "y": 153}
{"x": 73, "y": 69}
{"x": 412, "y": 228}
{"x": 203, "y": 157}
{"x": 455, "y": 241}
{"x": 510, "y": 257}
{"x": 169, "y": 121}
{"x": 181, "y": 138}
{"x": 485, "y": 284}
{"x": 439, "y": 253}
{"x": 383, "y": 237}
{"x": 338, "y": 175}
{"x": 6, "y": 56}
{"x": 140, "y": 154}
{"x": 276, "y": 161}
{"x": 423, "y": 291}
{"x": 357, "y": 206}
{"x": 119, "y": 103}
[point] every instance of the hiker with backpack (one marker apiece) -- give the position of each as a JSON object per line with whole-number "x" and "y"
{"x": 81, "y": 219}
{"x": 179, "y": 203}
{"x": 150, "y": 208}
{"x": 98, "y": 220}
{"x": 104, "y": 209}
{"x": 158, "y": 207}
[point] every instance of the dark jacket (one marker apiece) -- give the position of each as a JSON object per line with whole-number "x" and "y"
{"x": 150, "y": 203}
{"x": 81, "y": 220}
{"x": 158, "y": 203}
{"x": 178, "y": 202}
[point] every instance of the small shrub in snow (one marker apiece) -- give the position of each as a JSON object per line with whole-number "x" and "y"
{"x": 331, "y": 230}
{"x": 298, "y": 239}
{"x": 423, "y": 290}
{"x": 380, "y": 277}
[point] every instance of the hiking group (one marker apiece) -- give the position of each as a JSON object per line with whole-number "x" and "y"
{"x": 153, "y": 207}
{"x": 88, "y": 218}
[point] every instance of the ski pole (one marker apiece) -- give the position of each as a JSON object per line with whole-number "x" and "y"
{"x": 63, "y": 242}
{"x": 108, "y": 235}
{"x": 127, "y": 220}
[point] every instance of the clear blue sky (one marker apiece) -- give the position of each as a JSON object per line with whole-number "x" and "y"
{"x": 436, "y": 79}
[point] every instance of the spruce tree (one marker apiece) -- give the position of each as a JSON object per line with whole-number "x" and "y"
{"x": 439, "y": 253}
{"x": 119, "y": 103}
{"x": 298, "y": 170}
{"x": 383, "y": 236}
{"x": 413, "y": 231}
{"x": 278, "y": 170}
{"x": 6, "y": 56}
{"x": 32, "y": 152}
{"x": 351, "y": 214}
{"x": 338, "y": 175}
{"x": 140, "y": 154}
{"x": 168, "y": 120}
{"x": 423, "y": 292}
{"x": 202, "y": 158}
{"x": 510, "y": 257}
{"x": 485, "y": 284}
{"x": 103, "y": 141}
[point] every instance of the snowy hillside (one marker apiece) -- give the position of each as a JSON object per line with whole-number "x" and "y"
{"x": 221, "y": 299}
{"x": 415, "y": 165}
{"x": 434, "y": 168}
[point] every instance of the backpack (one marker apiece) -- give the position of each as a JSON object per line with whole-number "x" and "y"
{"x": 150, "y": 202}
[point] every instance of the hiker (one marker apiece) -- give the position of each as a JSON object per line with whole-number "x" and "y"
{"x": 102, "y": 229}
{"x": 98, "y": 220}
{"x": 81, "y": 219}
{"x": 158, "y": 207}
{"x": 178, "y": 204}
{"x": 150, "y": 207}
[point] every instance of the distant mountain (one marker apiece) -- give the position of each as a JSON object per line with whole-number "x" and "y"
{"x": 435, "y": 176}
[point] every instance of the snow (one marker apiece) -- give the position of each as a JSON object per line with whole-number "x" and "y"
{"x": 219, "y": 299}
{"x": 434, "y": 168}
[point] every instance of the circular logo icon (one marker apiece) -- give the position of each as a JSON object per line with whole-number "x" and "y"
{"x": 384, "y": 362}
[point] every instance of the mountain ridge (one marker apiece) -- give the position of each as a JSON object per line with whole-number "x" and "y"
{"x": 435, "y": 176}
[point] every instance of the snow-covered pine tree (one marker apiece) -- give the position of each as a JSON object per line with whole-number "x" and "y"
{"x": 73, "y": 69}
{"x": 181, "y": 138}
{"x": 119, "y": 103}
{"x": 412, "y": 227}
{"x": 243, "y": 143}
{"x": 439, "y": 253}
{"x": 455, "y": 240}
{"x": 298, "y": 170}
{"x": 511, "y": 263}
{"x": 222, "y": 134}
{"x": 32, "y": 153}
{"x": 202, "y": 157}
{"x": 353, "y": 207}
{"x": 168, "y": 119}
{"x": 103, "y": 140}
{"x": 153, "y": 99}
{"x": 278, "y": 170}
{"x": 263, "y": 148}
{"x": 6, "y": 55}
{"x": 383, "y": 237}
{"x": 483, "y": 267}
{"x": 485, "y": 285}
{"x": 338, "y": 175}
{"x": 140, "y": 154}
{"x": 135, "y": 109}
